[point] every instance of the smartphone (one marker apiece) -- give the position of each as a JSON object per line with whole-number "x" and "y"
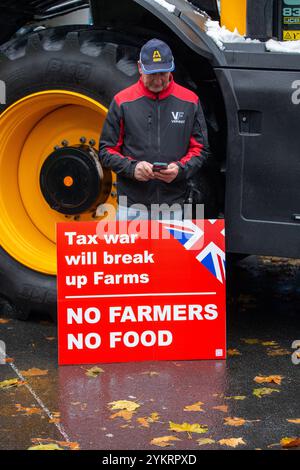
{"x": 157, "y": 166}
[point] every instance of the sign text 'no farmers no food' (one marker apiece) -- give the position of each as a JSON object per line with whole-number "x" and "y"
{"x": 137, "y": 291}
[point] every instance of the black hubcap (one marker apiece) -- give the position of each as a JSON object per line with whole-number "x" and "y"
{"x": 72, "y": 180}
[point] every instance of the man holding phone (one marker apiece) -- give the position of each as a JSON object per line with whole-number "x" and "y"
{"x": 155, "y": 136}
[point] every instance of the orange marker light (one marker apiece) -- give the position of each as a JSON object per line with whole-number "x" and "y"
{"x": 68, "y": 181}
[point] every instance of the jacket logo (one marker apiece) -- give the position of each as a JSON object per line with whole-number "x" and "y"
{"x": 156, "y": 56}
{"x": 178, "y": 117}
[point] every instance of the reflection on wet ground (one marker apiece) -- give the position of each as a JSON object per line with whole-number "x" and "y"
{"x": 184, "y": 405}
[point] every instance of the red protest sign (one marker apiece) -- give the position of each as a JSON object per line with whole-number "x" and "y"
{"x": 133, "y": 291}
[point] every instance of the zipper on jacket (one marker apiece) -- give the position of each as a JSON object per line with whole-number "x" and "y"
{"x": 149, "y": 131}
{"x": 158, "y": 143}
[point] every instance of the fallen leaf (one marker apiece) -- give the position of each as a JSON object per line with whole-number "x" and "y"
{"x": 33, "y": 372}
{"x": 143, "y": 422}
{"x": 195, "y": 407}
{"x": 164, "y": 441}
{"x": 146, "y": 421}
{"x": 3, "y": 321}
{"x": 94, "y": 371}
{"x": 64, "y": 444}
{"x": 269, "y": 343}
{"x": 250, "y": 340}
{"x": 268, "y": 379}
{"x": 204, "y": 441}
{"x": 124, "y": 405}
{"x": 296, "y": 421}
{"x": 50, "y": 338}
{"x": 234, "y": 421}
{"x": 11, "y": 383}
{"x": 125, "y": 414}
{"x": 46, "y": 447}
{"x": 290, "y": 442}
{"x": 233, "y": 352}
{"x": 186, "y": 427}
{"x": 232, "y": 442}
{"x": 28, "y": 410}
{"x": 278, "y": 352}
{"x": 223, "y": 408}
{"x": 259, "y": 392}
{"x": 237, "y": 397}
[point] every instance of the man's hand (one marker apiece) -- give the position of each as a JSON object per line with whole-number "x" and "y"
{"x": 167, "y": 175}
{"x": 143, "y": 171}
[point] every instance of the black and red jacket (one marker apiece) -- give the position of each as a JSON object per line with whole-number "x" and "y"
{"x": 145, "y": 126}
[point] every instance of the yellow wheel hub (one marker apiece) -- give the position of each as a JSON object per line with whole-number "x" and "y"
{"x": 29, "y": 131}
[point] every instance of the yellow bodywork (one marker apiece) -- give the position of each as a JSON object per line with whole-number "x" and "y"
{"x": 234, "y": 15}
{"x": 29, "y": 131}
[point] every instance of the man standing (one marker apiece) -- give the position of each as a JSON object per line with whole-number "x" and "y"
{"x": 155, "y": 136}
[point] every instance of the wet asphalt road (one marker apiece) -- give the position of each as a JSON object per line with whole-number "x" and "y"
{"x": 64, "y": 406}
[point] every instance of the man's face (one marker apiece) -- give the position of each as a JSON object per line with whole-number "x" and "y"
{"x": 155, "y": 82}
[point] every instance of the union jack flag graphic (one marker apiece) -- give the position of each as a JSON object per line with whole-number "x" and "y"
{"x": 206, "y": 237}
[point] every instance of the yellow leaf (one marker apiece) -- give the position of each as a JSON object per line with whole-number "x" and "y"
{"x": 259, "y": 392}
{"x": 237, "y": 397}
{"x": 94, "y": 371}
{"x": 28, "y": 411}
{"x": 164, "y": 441}
{"x": 143, "y": 422}
{"x": 250, "y": 340}
{"x": 232, "y": 442}
{"x": 64, "y": 444}
{"x": 204, "y": 441}
{"x": 233, "y": 352}
{"x": 296, "y": 421}
{"x": 3, "y": 321}
{"x": 153, "y": 417}
{"x": 195, "y": 407}
{"x": 278, "y": 352}
{"x": 124, "y": 405}
{"x": 11, "y": 383}
{"x": 269, "y": 343}
{"x": 268, "y": 379}
{"x": 186, "y": 427}
{"x": 46, "y": 447}
{"x": 290, "y": 442}
{"x": 33, "y": 372}
{"x": 125, "y": 414}
{"x": 234, "y": 421}
{"x": 146, "y": 421}
{"x": 223, "y": 408}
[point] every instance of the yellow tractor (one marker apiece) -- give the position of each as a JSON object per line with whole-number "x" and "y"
{"x": 61, "y": 63}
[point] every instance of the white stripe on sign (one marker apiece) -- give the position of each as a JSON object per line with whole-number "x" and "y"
{"x": 137, "y": 295}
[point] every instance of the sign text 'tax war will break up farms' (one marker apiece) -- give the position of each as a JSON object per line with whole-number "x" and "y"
{"x": 136, "y": 291}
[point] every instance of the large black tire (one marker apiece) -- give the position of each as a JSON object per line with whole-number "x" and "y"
{"x": 89, "y": 62}
{"x": 94, "y": 63}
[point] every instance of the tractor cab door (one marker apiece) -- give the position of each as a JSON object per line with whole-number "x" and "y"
{"x": 263, "y": 154}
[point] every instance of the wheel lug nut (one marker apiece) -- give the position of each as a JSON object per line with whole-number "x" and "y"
{"x": 83, "y": 140}
{"x": 57, "y": 147}
{"x": 65, "y": 143}
{"x": 92, "y": 142}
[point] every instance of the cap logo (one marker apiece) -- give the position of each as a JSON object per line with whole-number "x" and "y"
{"x": 156, "y": 56}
